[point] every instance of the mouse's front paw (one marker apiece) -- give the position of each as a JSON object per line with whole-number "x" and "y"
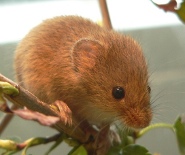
{"x": 63, "y": 109}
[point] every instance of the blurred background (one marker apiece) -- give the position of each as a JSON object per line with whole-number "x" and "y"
{"x": 162, "y": 36}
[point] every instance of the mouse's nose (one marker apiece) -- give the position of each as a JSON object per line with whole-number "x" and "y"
{"x": 138, "y": 118}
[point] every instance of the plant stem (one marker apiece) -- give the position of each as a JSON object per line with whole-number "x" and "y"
{"x": 157, "y": 125}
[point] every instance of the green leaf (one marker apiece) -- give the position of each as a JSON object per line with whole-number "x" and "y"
{"x": 8, "y": 145}
{"x": 8, "y": 89}
{"x": 181, "y": 12}
{"x": 180, "y": 133}
{"x": 78, "y": 151}
{"x": 114, "y": 151}
{"x": 135, "y": 149}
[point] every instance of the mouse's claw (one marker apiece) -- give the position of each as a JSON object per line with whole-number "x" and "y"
{"x": 64, "y": 110}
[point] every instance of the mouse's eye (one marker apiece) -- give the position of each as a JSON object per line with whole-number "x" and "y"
{"x": 149, "y": 89}
{"x": 118, "y": 92}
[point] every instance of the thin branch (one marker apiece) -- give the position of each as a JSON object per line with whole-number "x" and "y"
{"x": 21, "y": 146}
{"x": 25, "y": 98}
{"x": 12, "y": 147}
{"x": 5, "y": 120}
{"x": 105, "y": 14}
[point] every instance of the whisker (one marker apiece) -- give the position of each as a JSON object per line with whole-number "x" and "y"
{"x": 158, "y": 119}
{"x": 124, "y": 127}
{"x": 78, "y": 125}
{"x": 154, "y": 99}
{"x": 174, "y": 60}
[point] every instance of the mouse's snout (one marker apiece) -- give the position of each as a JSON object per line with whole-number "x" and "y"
{"x": 137, "y": 118}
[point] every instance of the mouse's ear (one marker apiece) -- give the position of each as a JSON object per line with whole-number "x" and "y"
{"x": 85, "y": 53}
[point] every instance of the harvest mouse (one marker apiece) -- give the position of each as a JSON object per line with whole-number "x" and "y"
{"x": 100, "y": 74}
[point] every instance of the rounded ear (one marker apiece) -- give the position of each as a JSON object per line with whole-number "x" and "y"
{"x": 85, "y": 53}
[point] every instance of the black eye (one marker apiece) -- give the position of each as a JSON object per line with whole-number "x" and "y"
{"x": 118, "y": 92}
{"x": 149, "y": 89}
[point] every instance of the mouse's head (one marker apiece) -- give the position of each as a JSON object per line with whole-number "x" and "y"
{"x": 114, "y": 78}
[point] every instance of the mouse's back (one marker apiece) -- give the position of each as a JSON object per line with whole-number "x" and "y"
{"x": 46, "y": 51}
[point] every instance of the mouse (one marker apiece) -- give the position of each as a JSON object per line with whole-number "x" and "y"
{"x": 101, "y": 75}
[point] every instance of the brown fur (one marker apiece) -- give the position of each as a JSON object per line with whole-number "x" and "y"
{"x": 72, "y": 59}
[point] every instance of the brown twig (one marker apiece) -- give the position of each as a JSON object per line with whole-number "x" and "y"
{"x": 25, "y": 98}
{"x": 105, "y": 14}
{"x": 5, "y": 120}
